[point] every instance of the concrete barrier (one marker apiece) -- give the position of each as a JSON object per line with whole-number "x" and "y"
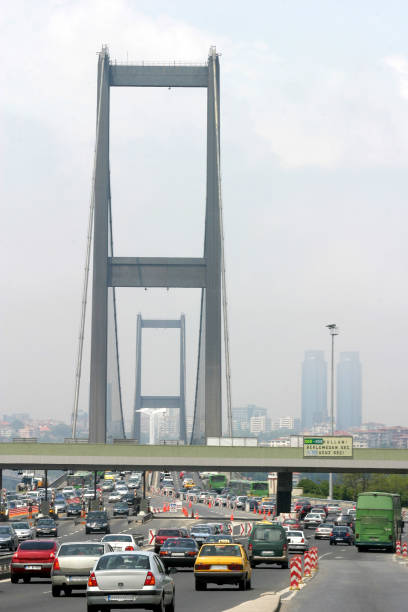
{"x": 268, "y": 602}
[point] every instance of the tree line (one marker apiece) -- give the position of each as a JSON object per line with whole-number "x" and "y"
{"x": 348, "y": 486}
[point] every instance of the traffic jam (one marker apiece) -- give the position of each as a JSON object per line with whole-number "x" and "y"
{"x": 113, "y": 567}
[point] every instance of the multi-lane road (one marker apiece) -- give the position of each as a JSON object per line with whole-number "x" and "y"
{"x": 346, "y": 580}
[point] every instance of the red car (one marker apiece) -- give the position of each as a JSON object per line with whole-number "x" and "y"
{"x": 163, "y": 534}
{"x": 292, "y": 523}
{"x": 33, "y": 558}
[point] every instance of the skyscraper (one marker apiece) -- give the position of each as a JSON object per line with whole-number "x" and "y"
{"x": 349, "y": 391}
{"x": 314, "y": 389}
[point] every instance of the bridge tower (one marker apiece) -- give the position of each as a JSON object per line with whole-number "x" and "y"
{"x": 202, "y": 273}
{"x": 160, "y": 401}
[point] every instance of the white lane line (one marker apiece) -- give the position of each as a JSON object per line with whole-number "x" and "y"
{"x": 325, "y": 555}
{"x": 5, "y": 580}
{"x": 339, "y": 557}
{"x": 46, "y": 591}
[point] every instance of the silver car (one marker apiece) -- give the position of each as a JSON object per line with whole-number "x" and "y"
{"x": 23, "y": 530}
{"x": 73, "y": 564}
{"x": 130, "y": 580}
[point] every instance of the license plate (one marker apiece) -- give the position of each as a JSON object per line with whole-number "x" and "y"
{"x": 121, "y": 598}
{"x": 77, "y": 578}
{"x": 339, "y": 539}
{"x": 268, "y": 553}
{"x": 32, "y": 567}
{"x": 177, "y": 554}
{"x": 219, "y": 567}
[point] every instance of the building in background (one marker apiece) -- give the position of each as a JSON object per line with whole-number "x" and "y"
{"x": 248, "y": 420}
{"x": 314, "y": 389}
{"x": 289, "y": 422}
{"x": 349, "y": 391}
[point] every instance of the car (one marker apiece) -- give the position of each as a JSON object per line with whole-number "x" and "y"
{"x": 33, "y": 558}
{"x": 333, "y": 509}
{"x": 126, "y": 580}
{"x": 23, "y": 530}
{"x": 163, "y": 534}
{"x": 222, "y": 564}
{"x": 109, "y": 476}
{"x": 73, "y": 564}
{"x": 128, "y": 498}
{"x": 107, "y": 486}
{"x": 68, "y": 492}
{"x": 97, "y": 520}
{"x": 8, "y": 538}
{"x": 304, "y": 510}
{"x": 343, "y": 535}
{"x": 268, "y": 544}
{"x": 120, "y": 542}
{"x": 323, "y": 531}
{"x": 292, "y": 523}
{"x": 179, "y": 552}
{"x": 121, "y": 509}
{"x": 89, "y": 493}
{"x": 313, "y": 519}
{"x": 133, "y": 483}
{"x": 320, "y": 508}
{"x": 221, "y": 538}
{"x": 241, "y": 501}
{"x": 60, "y": 504}
{"x": 297, "y": 541}
{"x": 46, "y": 526}
{"x": 115, "y": 496}
{"x": 74, "y": 509}
{"x": 201, "y": 532}
{"x": 344, "y": 520}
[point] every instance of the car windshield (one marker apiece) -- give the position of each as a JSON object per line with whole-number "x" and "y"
{"x": 37, "y": 546}
{"x": 20, "y": 525}
{"x": 45, "y": 521}
{"x": 267, "y": 534}
{"x": 123, "y": 562}
{"x": 117, "y": 538}
{"x": 5, "y": 530}
{"x": 168, "y": 532}
{"x": 179, "y": 543}
{"x": 82, "y": 550}
{"x": 202, "y": 529}
{"x": 229, "y": 550}
{"x": 92, "y": 516}
{"x": 295, "y": 534}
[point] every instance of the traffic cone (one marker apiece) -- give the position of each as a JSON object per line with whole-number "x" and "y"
{"x": 190, "y": 504}
{"x": 232, "y": 516}
{"x": 254, "y": 510}
{"x": 269, "y": 513}
{"x": 196, "y": 516}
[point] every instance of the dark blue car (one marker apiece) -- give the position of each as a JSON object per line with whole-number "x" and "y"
{"x": 342, "y": 535}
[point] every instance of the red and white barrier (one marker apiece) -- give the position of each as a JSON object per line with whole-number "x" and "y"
{"x": 404, "y": 549}
{"x": 295, "y": 572}
{"x": 307, "y": 569}
{"x": 398, "y": 547}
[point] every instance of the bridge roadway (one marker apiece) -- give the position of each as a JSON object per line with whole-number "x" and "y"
{"x": 347, "y": 580}
{"x": 193, "y": 458}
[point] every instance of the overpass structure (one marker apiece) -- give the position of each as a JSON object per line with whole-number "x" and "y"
{"x": 14, "y": 455}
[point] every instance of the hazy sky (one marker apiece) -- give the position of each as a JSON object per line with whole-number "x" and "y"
{"x": 314, "y": 133}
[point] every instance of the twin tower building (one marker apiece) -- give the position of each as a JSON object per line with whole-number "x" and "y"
{"x": 315, "y": 387}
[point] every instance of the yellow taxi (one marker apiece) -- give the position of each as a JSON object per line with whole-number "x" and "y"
{"x": 188, "y": 483}
{"x": 109, "y": 476}
{"x": 222, "y": 563}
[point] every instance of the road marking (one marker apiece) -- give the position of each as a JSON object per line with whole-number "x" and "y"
{"x": 325, "y": 555}
{"x": 5, "y": 580}
{"x": 339, "y": 557}
{"x": 46, "y": 591}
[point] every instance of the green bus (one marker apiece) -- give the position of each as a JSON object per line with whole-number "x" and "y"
{"x": 259, "y": 488}
{"x": 240, "y": 487}
{"x": 80, "y": 479}
{"x": 217, "y": 482}
{"x": 378, "y": 521}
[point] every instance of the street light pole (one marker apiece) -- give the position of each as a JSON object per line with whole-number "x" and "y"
{"x": 333, "y": 331}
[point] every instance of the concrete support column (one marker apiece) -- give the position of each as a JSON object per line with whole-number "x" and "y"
{"x": 101, "y": 195}
{"x": 212, "y": 254}
{"x": 284, "y": 492}
{"x": 182, "y": 410}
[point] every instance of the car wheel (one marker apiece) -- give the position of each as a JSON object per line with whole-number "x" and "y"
{"x": 91, "y": 608}
{"x": 172, "y": 605}
{"x": 55, "y": 590}
{"x": 249, "y": 583}
{"x": 26, "y": 579}
{"x": 242, "y": 584}
{"x": 14, "y": 579}
{"x": 67, "y": 591}
{"x": 86, "y": 530}
{"x": 253, "y": 564}
{"x": 285, "y": 565}
{"x": 199, "y": 585}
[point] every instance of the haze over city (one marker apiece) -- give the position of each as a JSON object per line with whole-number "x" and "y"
{"x": 314, "y": 145}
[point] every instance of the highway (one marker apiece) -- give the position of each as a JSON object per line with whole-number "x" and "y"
{"x": 346, "y": 580}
